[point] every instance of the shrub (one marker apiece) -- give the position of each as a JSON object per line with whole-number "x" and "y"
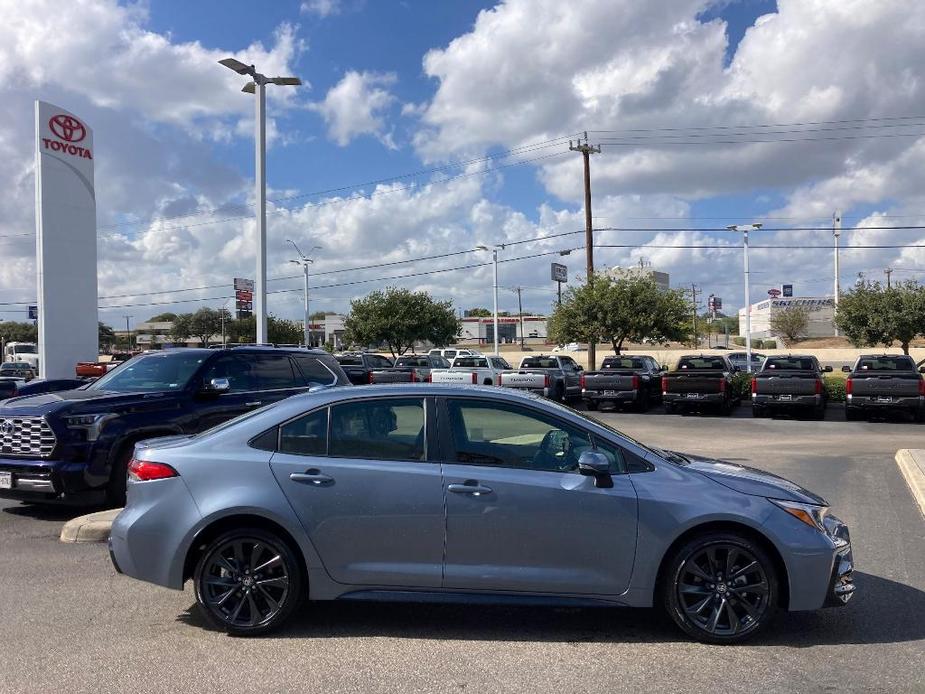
{"x": 757, "y": 344}
{"x": 769, "y": 344}
{"x": 742, "y": 384}
{"x": 835, "y": 389}
{"x": 740, "y": 341}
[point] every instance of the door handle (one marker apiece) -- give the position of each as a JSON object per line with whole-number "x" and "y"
{"x": 470, "y": 487}
{"x": 313, "y": 477}
{"x": 255, "y": 403}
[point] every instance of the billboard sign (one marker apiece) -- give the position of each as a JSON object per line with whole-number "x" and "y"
{"x": 244, "y": 297}
{"x": 774, "y": 293}
{"x": 715, "y": 303}
{"x": 786, "y": 290}
{"x": 559, "y": 272}
{"x": 244, "y": 285}
{"x": 33, "y": 313}
{"x": 65, "y": 233}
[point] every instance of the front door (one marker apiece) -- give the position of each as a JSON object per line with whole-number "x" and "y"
{"x": 359, "y": 477}
{"x": 519, "y": 515}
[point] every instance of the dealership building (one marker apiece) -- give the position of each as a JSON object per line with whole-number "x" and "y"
{"x": 821, "y": 315}
{"x": 482, "y": 330}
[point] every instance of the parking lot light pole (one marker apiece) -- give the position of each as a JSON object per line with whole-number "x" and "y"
{"x": 745, "y": 228}
{"x": 258, "y": 88}
{"x": 305, "y": 262}
{"x": 836, "y": 232}
{"x": 494, "y": 257}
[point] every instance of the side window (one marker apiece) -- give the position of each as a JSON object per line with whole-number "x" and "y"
{"x": 274, "y": 371}
{"x": 313, "y": 371}
{"x": 613, "y": 453}
{"x": 381, "y": 362}
{"x": 307, "y": 435}
{"x": 568, "y": 364}
{"x": 504, "y": 435}
{"x": 391, "y": 429}
{"x": 239, "y": 371}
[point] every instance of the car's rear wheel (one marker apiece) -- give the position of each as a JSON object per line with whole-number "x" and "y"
{"x": 591, "y": 405}
{"x": 720, "y": 588}
{"x": 852, "y": 414}
{"x": 759, "y": 411}
{"x": 248, "y": 582}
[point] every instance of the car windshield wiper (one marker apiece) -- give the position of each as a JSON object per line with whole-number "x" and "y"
{"x": 673, "y": 456}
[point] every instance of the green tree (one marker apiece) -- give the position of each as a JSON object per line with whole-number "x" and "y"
{"x": 163, "y": 318}
{"x": 13, "y": 331}
{"x": 205, "y": 323}
{"x": 399, "y": 318}
{"x": 615, "y": 310}
{"x": 870, "y": 314}
{"x": 791, "y": 323}
{"x": 107, "y": 337}
{"x": 478, "y": 312}
{"x": 182, "y": 328}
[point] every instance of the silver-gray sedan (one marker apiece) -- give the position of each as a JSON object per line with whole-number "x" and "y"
{"x": 426, "y": 492}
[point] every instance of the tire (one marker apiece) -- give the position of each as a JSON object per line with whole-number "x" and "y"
{"x": 267, "y": 601}
{"x": 559, "y": 394}
{"x": 819, "y": 412}
{"x": 920, "y": 415}
{"x": 644, "y": 404}
{"x": 852, "y": 414}
{"x": 693, "y": 598}
{"x": 759, "y": 412}
{"x": 670, "y": 408}
{"x": 115, "y": 490}
{"x": 591, "y": 405}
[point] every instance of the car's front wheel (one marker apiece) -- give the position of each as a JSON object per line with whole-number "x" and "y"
{"x": 248, "y": 582}
{"x": 720, "y": 588}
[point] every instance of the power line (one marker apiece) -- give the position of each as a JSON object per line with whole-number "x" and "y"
{"x": 638, "y": 143}
{"x": 768, "y": 125}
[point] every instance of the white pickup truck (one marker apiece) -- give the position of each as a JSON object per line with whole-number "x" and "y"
{"x": 483, "y": 371}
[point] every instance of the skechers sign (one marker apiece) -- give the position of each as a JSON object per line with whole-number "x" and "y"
{"x": 71, "y": 131}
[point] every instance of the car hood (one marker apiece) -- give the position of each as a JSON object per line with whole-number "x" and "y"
{"x": 749, "y": 480}
{"x": 82, "y": 401}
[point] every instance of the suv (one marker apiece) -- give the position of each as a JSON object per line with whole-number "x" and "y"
{"x": 450, "y": 353}
{"x": 74, "y": 446}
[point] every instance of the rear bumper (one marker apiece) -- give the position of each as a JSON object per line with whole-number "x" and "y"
{"x": 49, "y": 482}
{"x": 694, "y": 398}
{"x": 795, "y": 400}
{"x": 914, "y": 403}
{"x": 612, "y": 396}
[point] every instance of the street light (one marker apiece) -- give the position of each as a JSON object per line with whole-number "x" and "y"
{"x": 836, "y": 232}
{"x": 304, "y": 262}
{"x": 494, "y": 257}
{"x": 258, "y": 87}
{"x": 745, "y": 228}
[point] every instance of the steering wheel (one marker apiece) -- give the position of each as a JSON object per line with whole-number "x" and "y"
{"x": 556, "y": 452}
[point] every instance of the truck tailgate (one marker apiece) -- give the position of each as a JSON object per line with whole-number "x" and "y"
{"x": 392, "y": 376}
{"x": 523, "y": 379}
{"x": 891, "y": 386}
{"x": 601, "y": 380}
{"x": 694, "y": 383}
{"x": 786, "y": 384}
{"x": 458, "y": 377}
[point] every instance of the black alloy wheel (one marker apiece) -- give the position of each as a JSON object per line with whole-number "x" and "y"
{"x": 722, "y": 588}
{"x": 248, "y": 582}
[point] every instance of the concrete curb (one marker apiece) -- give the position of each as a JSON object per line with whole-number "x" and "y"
{"x": 912, "y": 466}
{"x": 94, "y": 527}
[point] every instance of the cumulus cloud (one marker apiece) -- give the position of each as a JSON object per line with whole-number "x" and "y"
{"x": 321, "y": 8}
{"x": 356, "y": 106}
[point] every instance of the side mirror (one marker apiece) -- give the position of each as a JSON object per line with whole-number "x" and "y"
{"x": 846, "y": 369}
{"x": 922, "y": 369}
{"x": 596, "y": 465}
{"x": 217, "y": 386}
{"x": 827, "y": 369}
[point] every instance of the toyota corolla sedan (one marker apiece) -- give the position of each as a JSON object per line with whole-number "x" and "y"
{"x": 427, "y": 492}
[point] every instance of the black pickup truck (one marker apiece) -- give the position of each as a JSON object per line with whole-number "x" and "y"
{"x": 410, "y": 368}
{"x": 787, "y": 383}
{"x": 623, "y": 380}
{"x": 359, "y": 366}
{"x": 73, "y": 446}
{"x": 884, "y": 382}
{"x": 699, "y": 381}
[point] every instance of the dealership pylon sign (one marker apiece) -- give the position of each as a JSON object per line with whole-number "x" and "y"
{"x": 65, "y": 231}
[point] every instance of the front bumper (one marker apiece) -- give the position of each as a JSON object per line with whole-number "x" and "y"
{"x": 49, "y": 482}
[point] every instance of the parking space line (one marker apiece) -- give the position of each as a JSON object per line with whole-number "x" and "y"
{"x": 912, "y": 466}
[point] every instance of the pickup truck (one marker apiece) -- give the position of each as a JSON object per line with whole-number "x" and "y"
{"x": 624, "y": 379}
{"x": 411, "y": 368}
{"x": 554, "y": 376}
{"x": 359, "y": 365}
{"x": 884, "y": 382}
{"x": 483, "y": 371}
{"x": 787, "y": 383}
{"x": 700, "y": 380}
{"x": 100, "y": 367}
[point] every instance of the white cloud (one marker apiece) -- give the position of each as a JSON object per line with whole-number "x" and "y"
{"x": 356, "y": 106}
{"x": 321, "y": 8}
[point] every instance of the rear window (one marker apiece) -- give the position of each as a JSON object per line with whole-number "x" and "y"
{"x": 782, "y": 363}
{"x": 702, "y": 363}
{"x": 350, "y": 361}
{"x": 622, "y": 363}
{"x": 412, "y": 361}
{"x": 886, "y": 364}
{"x": 471, "y": 362}
{"x": 539, "y": 363}
{"x": 313, "y": 371}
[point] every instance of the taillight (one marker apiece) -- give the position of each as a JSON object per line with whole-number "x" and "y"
{"x": 819, "y": 386}
{"x": 635, "y": 382}
{"x": 546, "y": 380}
{"x": 145, "y": 471}
{"x": 754, "y": 385}
{"x": 429, "y": 378}
{"x": 500, "y": 376}
{"x": 922, "y": 387}
{"x": 475, "y": 378}
{"x": 722, "y": 385}
{"x": 581, "y": 381}
{"x": 849, "y": 387}
{"x": 414, "y": 376}
{"x": 664, "y": 384}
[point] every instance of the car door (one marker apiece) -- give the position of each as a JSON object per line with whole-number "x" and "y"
{"x": 211, "y": 409}
{"x": 572, "y": 374}
{"x": 361, "y": 478}
{"x": 520, "y": 517}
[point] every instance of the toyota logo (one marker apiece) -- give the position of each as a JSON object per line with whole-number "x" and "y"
{"x": 67, "y": 128}
{"x": 6, "y": 428}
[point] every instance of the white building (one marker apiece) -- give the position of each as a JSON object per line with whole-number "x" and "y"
{"x": 821, "y": 315}
{"x": 482, "y": 330}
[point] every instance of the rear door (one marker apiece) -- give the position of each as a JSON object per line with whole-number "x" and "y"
{"x": 519, "y": 515}
{"x": 362, "y": 479}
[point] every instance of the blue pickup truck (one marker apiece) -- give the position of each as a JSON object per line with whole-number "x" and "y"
{"x": 74, "y": 446}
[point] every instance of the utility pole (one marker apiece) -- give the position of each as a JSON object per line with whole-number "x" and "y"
{"x": 128, "y": 332}
{"x": 694, "y": 292}
{"x": 888, "y": 271}
{"x": 587, "y": 150}
{"x": 520, "y": 313}
{"x": 836, "y": 232}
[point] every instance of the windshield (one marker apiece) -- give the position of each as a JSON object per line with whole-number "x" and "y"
{"x": 152, "y": 373}
{"x": 471, "y": 362}
{"x": 24, "y": 349}
{"x": 412, "y": 361}
{"x": 622, "y": 363}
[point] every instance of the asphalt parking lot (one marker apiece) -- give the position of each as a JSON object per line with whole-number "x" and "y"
{"x": 71, "y": 624}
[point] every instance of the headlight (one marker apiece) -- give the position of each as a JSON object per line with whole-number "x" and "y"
{"x": 91, "y": 423}
{"x": 810, "y": 514}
